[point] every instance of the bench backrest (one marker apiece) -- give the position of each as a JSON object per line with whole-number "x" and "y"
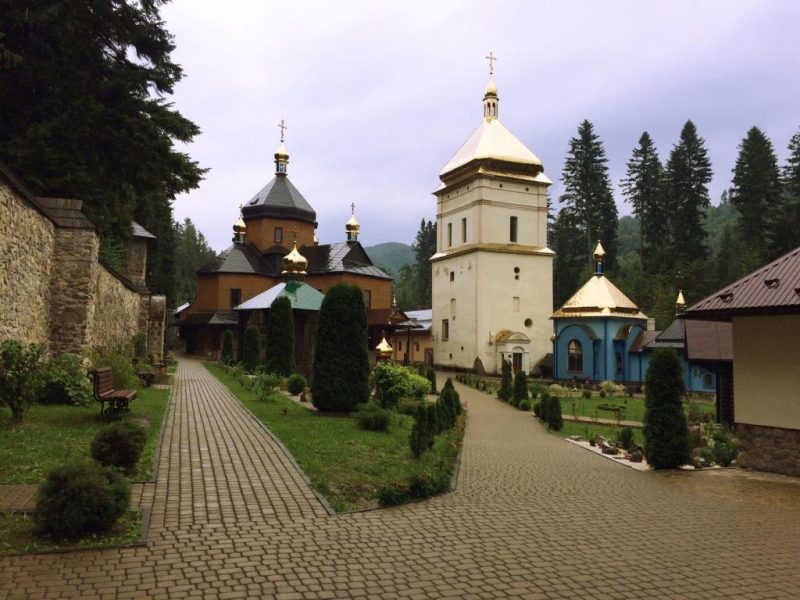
{"x": 103, "y": 381}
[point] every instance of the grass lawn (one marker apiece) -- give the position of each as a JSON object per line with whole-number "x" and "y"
{"x": 18, "y": 535}
{"x": 344, "y": 463}
{"x": 52, "y": 435}
{"x": 634, "y": 407}
{"x": 589, "y": 430}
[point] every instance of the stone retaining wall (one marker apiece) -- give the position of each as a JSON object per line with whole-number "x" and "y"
{"x": 769, "y": 449}
{"x": 114, "y": 311}
{"x": 26, "y": 247}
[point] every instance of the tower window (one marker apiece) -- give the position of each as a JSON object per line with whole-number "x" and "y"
{"x": 368, "y": 298}
{"x": 449, "y": 235}
{"x": 452, "y": 275}
{"x": 575, "y": 350}
{"x": 512, "y": 234}
{"x": 464, "y": 230}
{"x": 279, "y": 235}
{"x": 236, "y": 297}
{"x": 281, "y": 167}
{"x": 452, "y": 306}
{"x": 445, "y": 330}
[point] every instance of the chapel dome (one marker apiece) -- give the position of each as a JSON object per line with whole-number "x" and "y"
{"x": 294, "y": 262}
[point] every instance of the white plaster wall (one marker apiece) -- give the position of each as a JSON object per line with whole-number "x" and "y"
{"x": 766, "y": 370}
{"x": 462, "y": 323}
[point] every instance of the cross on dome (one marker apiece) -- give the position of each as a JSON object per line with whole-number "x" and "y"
{"x": 491, "y": 58}
{"x": 282, "y": 126}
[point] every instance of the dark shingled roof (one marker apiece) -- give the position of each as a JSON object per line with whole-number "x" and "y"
{"x": 772, "y": 289}
{"x": 341, "y": 258}
{"x": 221, "y": 317}
{"x": 280, "y": 199}
{"x": 238, "y": 259}
{"x": 643, "y": 339}
{"x": 66, "y": 212}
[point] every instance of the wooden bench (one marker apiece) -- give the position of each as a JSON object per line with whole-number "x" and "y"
{"x": 117, "y": 401}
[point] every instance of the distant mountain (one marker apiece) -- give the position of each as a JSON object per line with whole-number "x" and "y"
{"x": 391, "y": 256}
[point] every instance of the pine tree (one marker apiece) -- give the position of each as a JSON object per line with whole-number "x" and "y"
{"x": 687, "y": 175}
{"x": 251, "y": 352}
{"x": 643, "y": 188}
{"x": 666, "y": 434}
{"x": 280, "y": 337}
{"x": 104, "y": 131}
{"x": 587, "y": 192}
{"x": 756, "y": 193}
{"x": 191, "y": 254}
{"x": 341, "y": 361}
{"x": 424, "y": 247}
{"x": 785, "y": 230}
{"x": 506, "y": 382}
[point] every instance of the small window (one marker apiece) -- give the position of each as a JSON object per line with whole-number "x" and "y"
{"x": 463, "y": 231}
{"x": 452, "y": 306}
{"x": 281, "y": 167}
{"x": 445, "y": 330}
{"x": 236, "y": 297}
{"x": 575, "y": 349}
{"x": 449, "y": 235}
{"x": 515, "y": 304}
{"x": 452, "y": 275}
{"x": 513, "y": 229}
{"x": 279, "y": 235}
{"x": 368, "y": 298}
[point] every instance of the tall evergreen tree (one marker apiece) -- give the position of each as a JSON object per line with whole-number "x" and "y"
{"x": 569, "y": 268}
{"x": 191, "y": 253}
{"x": 280, "y": 337}
{"x": 688, "y": 173}
{"x": 756, "y": 193}
{"x": 86, "y": 115}
{"x": 786, "y": 233}
{"x": 424, "y": 247}
{"x": 643, "y": 188}
{"x": 587, "y": 193}
{"x": 341, "y": 360}
{"x": 666, "y": 434}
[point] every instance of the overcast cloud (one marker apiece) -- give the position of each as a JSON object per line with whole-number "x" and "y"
{"x": 378, "y": 96}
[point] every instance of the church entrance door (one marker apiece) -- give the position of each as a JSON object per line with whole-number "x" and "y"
{"x": 516, "y": 361}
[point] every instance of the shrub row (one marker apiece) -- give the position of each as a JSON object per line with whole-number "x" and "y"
{"x": 548, "y": 410}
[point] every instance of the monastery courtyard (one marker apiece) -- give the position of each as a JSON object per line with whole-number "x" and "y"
{"x": 533, "y": 517}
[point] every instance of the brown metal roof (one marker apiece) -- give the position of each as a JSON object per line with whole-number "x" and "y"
{"x": 772, "y": 289}
{"x": 709, "y": 340}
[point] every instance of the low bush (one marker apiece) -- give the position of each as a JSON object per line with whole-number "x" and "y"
{"x": 64, "y": 381}
{"x": 408, "y": 406}
{"x": 425, "y": 485}
{"x": 612, "y": 389}
{"x": 525, "y": 405}
{"x": 393, "y": 382}
{"x": 393, "y": 494}
{"x": 19, "y": 383}
{"x": 263, "y": 383}
{"x": 602, "y": 394}
{"x": 557, "y": 390}
{"x": 373, "y": 417}
{"x": 626, "y": 438}
{"x": 296, "y": 384}
{"x": 119, "y": 445}
{"x": 537, "y": 409}
{"x": 725, "y": 447}
{"x": 80, "y": 499}
{"x": 586, "y": 393}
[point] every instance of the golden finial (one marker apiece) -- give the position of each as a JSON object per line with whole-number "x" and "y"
{"x": 294, "y": 263}
{"x": 352, "y": 227}
{"x": 383, "y": 350}
{"x": 598, "y": 256}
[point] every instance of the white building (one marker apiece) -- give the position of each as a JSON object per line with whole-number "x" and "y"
{"x": 492, "y": 271}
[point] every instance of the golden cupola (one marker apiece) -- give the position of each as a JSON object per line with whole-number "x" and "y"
{"x": 383, "y": 350}
{"x": 294, "y": 263}
{"x": 352, "y": 227}
{"x": 239, "y": 230}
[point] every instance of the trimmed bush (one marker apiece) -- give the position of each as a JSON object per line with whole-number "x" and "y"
{"x": 506, "y": 383}
{"x": 430, "y": 374}
{"x": 554, "y": 419}
{"x": 373, "y": 417}
{"x": 119, "y": 445}
{"x": 227, "y": 347}
{"x": 425, "y": 485}
{"x": 296, "y": 384}
{"x": 80, "y": 499}
{"x": 341, "y": 358}
{"x": 393, "y": 382}
{"x": 280, "y": 337}
{"x": 626, "y": 438}
{"x": 19, "y": 379}
{"x": 537, "y": 409}
{"x": 251, "y": 351}
{"x": 422, "y": 433}
{"x": 64, "y": 381}
{"x": 393, "y": 494}
{"x": 666, "y": 434}
{"x": 525, "y": 405}
{"x": 520, "y": 388}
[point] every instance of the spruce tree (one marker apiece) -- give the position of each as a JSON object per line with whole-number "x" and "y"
{"x": 341, "y": 361}
{"x": 251, "y": 352}
{"x": 280, "y": 337}
{"x": 587, "y": 192}
{"x": 666, "y": 434}
{"x": 643, "y": 188}
{"x": 520, "y": 388}
{"x": 506, "y": 382}
{"x": 687, "y": 175}
{"x": 569, "y": 267}
{"x": 756, "y": 193}
{"x": 785, "y": 231}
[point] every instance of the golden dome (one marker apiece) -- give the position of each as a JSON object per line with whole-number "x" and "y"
{"x": 239, "y": 226}
{"x": 294, "y": 262}
{"x": 681, "y": 301}
{"x": 384, "y": 350}
{"x": 352, "y": 225}
{"x": 599, "y": 252}
{"x": 491, "y": 89}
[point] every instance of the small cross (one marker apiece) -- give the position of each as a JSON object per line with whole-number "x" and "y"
{"x": 294, "y": 231}
{"x": 352, "y": 208}
{"x": 283, "y": 128}
{"x": 491, "y": 58}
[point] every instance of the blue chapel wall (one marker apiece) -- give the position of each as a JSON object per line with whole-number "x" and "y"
{"x": 696, "y": 378}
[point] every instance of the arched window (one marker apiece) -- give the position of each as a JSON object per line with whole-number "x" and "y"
{"x": 575, "y": 349}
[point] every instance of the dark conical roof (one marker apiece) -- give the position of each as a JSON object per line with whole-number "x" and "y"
{"x": 281, "y": 200}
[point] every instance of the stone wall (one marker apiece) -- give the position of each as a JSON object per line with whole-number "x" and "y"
{"x": 769, "y": 449}
{"x": 27, "y": 238}
{"x": 114, "y": 312}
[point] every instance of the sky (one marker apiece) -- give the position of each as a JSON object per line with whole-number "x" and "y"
{"x": 377, "y": 95}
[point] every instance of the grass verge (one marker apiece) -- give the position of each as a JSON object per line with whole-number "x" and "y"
{"x": 633, "y": 408}
{"x": 589, "y": 430}
{"x": 18, "y": 535}
{"x": 52, "y": 435}
{"x": 345, "y": 464}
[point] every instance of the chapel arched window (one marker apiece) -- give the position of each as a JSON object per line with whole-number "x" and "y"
{"x": 575, "y": 350}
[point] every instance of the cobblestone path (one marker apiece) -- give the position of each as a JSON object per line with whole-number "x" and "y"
{"x": 533, "y": 517}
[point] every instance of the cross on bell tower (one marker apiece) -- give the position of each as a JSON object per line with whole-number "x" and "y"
{"x": 281, "y": 156}
{"x": 491, "y": 58}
